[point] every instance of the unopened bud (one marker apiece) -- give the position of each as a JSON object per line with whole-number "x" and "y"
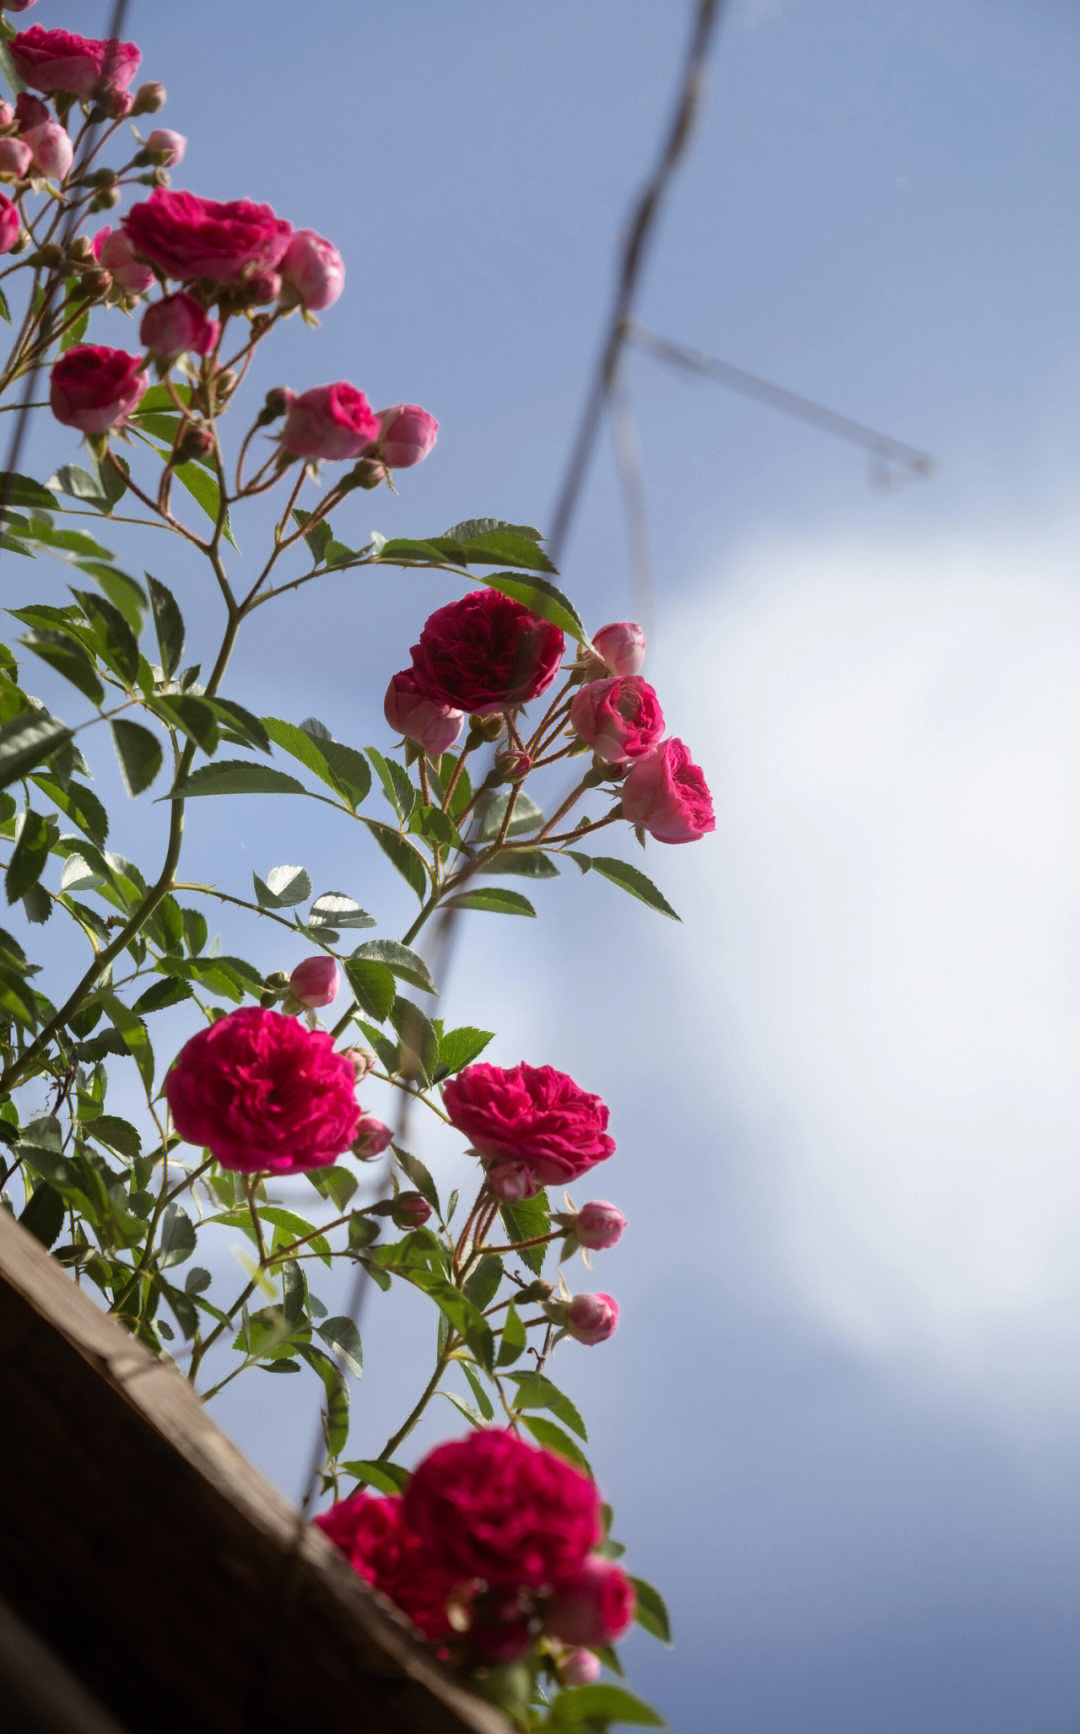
{"x": 371, "y": 1139}
{"x": 365, "y": 473}
{"x": 118, "y": 104}
{"x": 7, "y": 114}
{"x": 196, "y": 441}
{"x": 148, "y": 99}
{"x": 315, "y": 982}
{"x": 513, "y": 765}
{"x": 106, "y": 200}
{"x": 484, "y": 728}
{"x": 410, "y": 1210}
{"x": 165, "y": 147}
{"x": 362, "y": 1062}
{"x": 15, "y": 158}
{"x": 100, "y": 178}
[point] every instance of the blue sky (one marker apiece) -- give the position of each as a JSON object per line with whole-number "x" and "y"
{"x": 839, "y": 1422}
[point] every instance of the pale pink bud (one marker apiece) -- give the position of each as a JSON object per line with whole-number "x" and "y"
{"x": 175, "y": 324}
{"x": 410, "y": 1210}
{"x": 510, "y": 1181}
{"x": 592, "y": 1318}
{"x": 112, "y": 250}
{"x": 9, "y": 225}
{"x": 598, "y": 1225}
{"x": 372, "y": 1138}
{"x": 579, "y": 1668}
{"x": 118, "y": 104}
{"x": 315, "y": 981}
{"x": 15, "y": 158}
{"x": 312, "y": 268}
{"x": 620, "y": 646}
{"x": 149, "y": 98}
{"x": 406, "y": 435}
{"x": 595, "y": 1606}
{"x": 30, "y": 110}
{"x": 7, "y": 114}
{"x": 166, "y": 147}
{"x": 433, "y": 726}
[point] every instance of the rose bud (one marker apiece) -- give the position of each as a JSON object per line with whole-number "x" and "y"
{"x": 175, "y": 324}
{"x": 10, "y": 228}
{"x": 595, "y": 1606}
{"x": 509, "y": 1181}
{"x": 620, "y": 646}
{"x": 15, "y": 158}
{"x": 114, "y": 254}
{"x": 196, "y": 440}
{"x": 53, "y": 150}
{"x": 371, "y": 1139}
{"x": 666, "y": 793}
{"x": 362, "y": 1061}
{"x": 434, "y": 726}
{"x": 261, "y": 286}
{"x": 620, "y": 718}
{"x": 406, "y": 435}
{"x": 598, "y": 1225}
{"x": 315, "y": 981}
{"x": 410, "y": 1210}
{"x": 591, "y": 1318}
{"x": 312, "y": 270}
{"x": 512, "y": 765}
{"x": 329, "y": 421}
{"x": 95, "y": 389}
{"x": 149, "y": 98}
{"x": 7, "y": 115}
{"x": 578, "y": 1668}
{"x": 165, "y": 147}
{"x": 30, "y": 110}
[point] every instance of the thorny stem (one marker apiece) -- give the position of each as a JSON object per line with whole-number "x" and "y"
{"x": 385, "y": 1455}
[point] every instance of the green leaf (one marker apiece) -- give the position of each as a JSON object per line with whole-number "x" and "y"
{"x": 117, "y": 643}
{"x": 29, "y": 855}
{"x": 139, "y": 753}
{"x": 512, "y": 1339}
{"x": 458, "y": 1048}
{"x": 534, "y": 1391}
{"x": 336, "y": 1184}
{"x": 195, "y": 930}
{"x": 386, "y": 1477}
{"x": 28, "y": 738}
{"x": 318, "y": 537}
{"x": 459, "y": 1312}
{"x": 341, "y": 768}
{"x": 117, "y": 1135}
{"x": 487, "y": 542}
{"x": 600, "y": 1704}
{"x": 546, "y": 1433}
{"x": 524, "y": 1221}
{"x": 190, "y": 714}
{"x": 526, "y": 817}
{"x": 414, "y": 1169}
{"x": 527, "y": 863}
{"x": 344, "y": 1340}
{"x": 16, "y": 490}
{"x": 80, "y": 805}
{"x": 404, "y": 963}
{"x": 236, "y": 777}
{"x": 542, "y": 598}
{"x": 373, "y": 986}
{"x": 483, "y": 1285}
{"x": 336, "y": 1413}
{"x": 652, "y": 1610}
{"x": 472, "y": 1416}
{"x": 43, "y": 1215}
{"x": 168, "y": 624}
{"x": 470, "y": 528}
{"x": 396, "y": 783}
{"x": 123, "y": 592}
{"x": 402, "y": 855}
{"x": 203, "y": 488}
{"x": 243, "y": 724}
{"x": 176, "y": 1241}
{"x": 284, "y": 886}
{"x": 419, "y": 1045}
{"x": 69, "y": 659}
{"x": 630, "y": 878}
{"x": 333, "y": 910}
{"x": 133, "y": 1033}
{"x": 493, "y": 897}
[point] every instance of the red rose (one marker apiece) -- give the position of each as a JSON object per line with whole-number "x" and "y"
{"x": 56, "y": 60}
{"x": 263, "y": 1093}
{"x": 329, "y": 421}
{"x": 667, "y": 794}
{"x": 532, "y": 1122}
{"x": 95, "y": 389}
{"x": 374, "y": 1537}
{"x": 186, "y": 237}
{"x": 492, "y": 1507}
{"x": 595, "y": 1606}
{"x": 620, "y": 719}
{"x": 485, "y": 652}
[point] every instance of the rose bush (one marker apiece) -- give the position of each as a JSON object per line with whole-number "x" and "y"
{"x": 531, "y": 1120}
{"x": 484, "y": 652}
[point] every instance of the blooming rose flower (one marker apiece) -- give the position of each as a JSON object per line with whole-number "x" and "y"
{"x": 95, "y": 389}
{"x": 371, "y": 1137}
{"x": 263, "y": 1093}
{"x": 433, "y": 726}
{"x": 376, "y": 1540}
{"x": 186, "y": 237}
{"x": 166, "y": 147}
{"x": 592, "y": 1318}
{"x": 493, "y": 1507}
{"x": 595, "y": 1606}
{"x": 620, "y": 718}
{"x": 579, "y": 1668}
{"x": 620, "y": 646}
{"x": 406, "y": 435}
{"x": 112, "y": 250}
{"x": 485, "y": 651}
{"x": 531, "y": 1116}
{"x": 315, "y": 981}
{"x": 329, "y": 421}
{"x": 53, "y": 152}
{"x": 9, "y": 224}
{"x": 175, "y": 324}
{"x": 598, "y": 1225}
{"x": 15, "y": 158}
{"x": 51, "y": 60}
{"x": 667, "y": 794}
{"x": 312, "y": 268}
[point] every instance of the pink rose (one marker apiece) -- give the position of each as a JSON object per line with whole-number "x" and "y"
{"x": 187, "y": 237}
{"x": 15, "y": 159}
{"x": 112, "y": 250}
{"x": 371, "y": 1137}
{"x": 9, "y": 224}
{"x": 598, "y": 1226}
{"x": 51, "y": 60}
{"x": 53, "y": 151}
{"x": 263, "y": 1093}
{"x": 433, "y": 726}
{"x": 377, "y": 1542}
{"x": 592, "y": 1318}
{"x": 315, "y": 981}
{"x": 30, "y": 110}
{"x": 620, "y": 718}
{"x": 410, "y": 1210}
{"x": 329, "y": 421}
{"x": 595, "y": 1606}
{"x": 530, "y": 1122}
{"x": 94, "y": 389}
{"x": 166, "y": 147}
{"x": 175, "y": 324}
{"x": 579, "y": 1668}
{"x": 484, "y": 652}
{"x": 312, "y": 268}
{"x": 406, "y": 435}
{"x": 7, "y": 115}
{"x": 667, "y": 794}
{"x": 493, "y": 1507}
{"x": 620, "y": 646}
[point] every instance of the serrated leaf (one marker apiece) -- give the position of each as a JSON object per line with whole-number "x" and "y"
{"x": 80, "y": 805}
{"x": 26, "y": 740}
{"x": 191, "y": 714}
{"x": 651, "y": 1611}
{"x": 526, "y": 863}
{"x": 511, "y": 1340}
{"x": 29, "y": 855}
{"x": 386, "y": 1477}
{"x": 458, "y": 1048}
{"x": 402, "y": 855}
{"x": 396, "y": 784}
{"x": 284, "y": 887}
{"x": 334, "y": 910}
{"x": 414, "y": 1170}
{"x": 139, "y": 753}
{"x": 495, "y": 898}
{"x": 16, "y": 490}
{"x": 344, "y": 1340}
{"x": 534, "y": 1391}
{"x": 546, "y": 1433}
{"x": 236, "y": 777}
{"x": 404, "y": 963}
{"x": 629, "y": 878}
{"x": 336, "y": 1184}
{"x": 242, "y": 723}
{"x": 600, "y": 1704}
{"x": 43, "y": 1214}
{"x": 542, "y": 598}
{"x": 419, "y": 1052}
{"x": 483, "y": 1284}
{"x": 336, "y": 1413}
{"x": 122, "y": 591}
{"x": 133, "y": 1033}
{"x": 526, "y": 816}
{"x": 118, "y": 646}
{"x": 117, "y": 1135}
{"x": 373, "y": 985}
{"x": 318, "y": 538}
{"x": 203, "y": 488}
{"x": 168, "y": 624}
{"x": 69, "y": 659}
{"x": 525, "y": 1220}
{"x": 176, "y": 1240}
{"x": 472, "y": 1416}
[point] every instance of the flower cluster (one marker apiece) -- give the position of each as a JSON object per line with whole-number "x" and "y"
{"x": 490, "y": 1549}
